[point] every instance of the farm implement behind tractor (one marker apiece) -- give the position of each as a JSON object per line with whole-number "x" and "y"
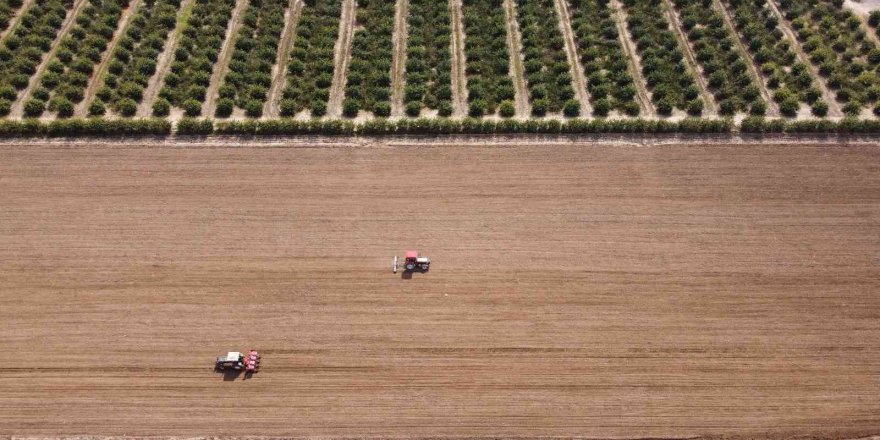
{"x": 237, "y": 361}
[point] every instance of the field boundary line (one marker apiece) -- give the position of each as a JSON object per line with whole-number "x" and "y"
{"x": 224, "y": 57}
{"x": 578, "y": 79}
{"x": 16, "y": 19}
{"x": 151, "y": 93}
{"x": 833, "y": 107}
{"x": 633, "y": 63}
{"x": 342, "y": 56}
{"x": 279, "y": 73}
{"x": 762, "y": 85}
{"x": 98, "y": 77}
{"x": 458, "y": 60}
{"x": 18, "y": 106}
{"x": 689, "y": 58}
{"x": 521, "y": 95}
{"x": 398, "y": 56}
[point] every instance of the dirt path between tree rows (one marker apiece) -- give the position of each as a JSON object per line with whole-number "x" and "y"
{"x": 342, "y": 56}
{"x": 517, "y": 72}
{"x": 632, "y": 59}
{"x": 17, "y": 110}
{"x": 97, "y": 79}
{"x": 399, "y": 55}
{"x": 279, "y": 72}
{"x": 578, "y": 79}
{"x": 690, "y": 59}
{"x": 151, "y": 93}
{"x": 772, "y": 107}
{"x": 398, "y": 64}
{"x": 458, "y": 59}
{"x": 13, "y": 22}
{"x": 833, "y": 107}
{"x": 224, "y": 58}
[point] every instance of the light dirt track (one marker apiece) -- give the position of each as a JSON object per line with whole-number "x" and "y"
{"x": 587, "y": 290}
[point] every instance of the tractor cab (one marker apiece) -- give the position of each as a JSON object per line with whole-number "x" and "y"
{"x": 232, "y": 361}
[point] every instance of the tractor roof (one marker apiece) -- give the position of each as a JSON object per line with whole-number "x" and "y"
{"x": 412, "y": 254}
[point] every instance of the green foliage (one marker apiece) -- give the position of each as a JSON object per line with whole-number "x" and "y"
{"x": 84, "y": 127}
{"x": 23, "y": 48}
{"x": 161, "y": 107}
{"x": 488, "y": 59}
{"x": 428, "y": 66}
{"x": 97, "y": 108}
{"x": 134, "y": 58}
{"x": 507, "y": 109}
{"x": 34, "y": 108}
{"x": 662, "y": 59}
{"x": 723, "y": 62}
{"x": 256, "y": 45}
{"x": 193, "y": 126}
{"x": 192, "y": 107}
{"x": 601, "y": 54}
{"x": 369, "y": 77}
{"x": 546, "y": 65}
{"x": 83, "y": 46}
{"x": 224, "y": 107}
{"x": 197, "y": 51}
{"x": 311, "y": 58}
{"x": 820, "y": 109}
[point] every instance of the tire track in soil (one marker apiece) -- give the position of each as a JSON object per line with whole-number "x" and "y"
{"x": 756, "y": 75}
{"x": 398, "y": 65}
{"x": 644, "y": 98}
{"x": 151, "y": 93}
{"x": 13, "y": 23}
{"x": 98, "y": 77}
{"x": 833, "y": 107}
{"x": 279, "y": 73}
{"x": 521, "y": 97}
{"x": 17, "y": 109}
{"x": 689, "y": 58}
{"x": 578, "y": 79}
{"x": 222, "y": 65}
{"x": 342, "y": 56}
{"x": 459, "y": 61}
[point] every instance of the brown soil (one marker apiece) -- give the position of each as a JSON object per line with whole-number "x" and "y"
{"x": 458, "y": 59}
{"x": 578, "y": 80}
{"x": 17, "y": 109}
{"x": 772, "y": 107}
{"x": 97, "y": 79}
{"x": 151, "y": 93}
{"x": 16, "y": 18}
{"x": 517, "y": 72}
{"x": 342, "y": 56}
{"x": 711, "y": 108}
{"x": 398, "y": 66}
{"x": 576, "y": 290}
{"x": 279, "y": 72}
{"x": 224, "y": 58}
{"x": 642, "y": 95}
{"x": 833, "y": 107}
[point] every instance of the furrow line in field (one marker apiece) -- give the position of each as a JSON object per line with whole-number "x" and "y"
{"x": 459, "y": 78}
{"x": 644, "y": 98}
{"x": 151, "y": 93}
{"x": 578, "y": 79}
{"x": 222, "y": 65}
{"x": 398, "y": 64}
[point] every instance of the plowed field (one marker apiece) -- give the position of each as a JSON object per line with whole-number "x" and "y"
{"x": 579, "y": 290}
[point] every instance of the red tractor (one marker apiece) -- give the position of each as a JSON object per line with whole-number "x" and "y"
{"x": 412, "y": 261}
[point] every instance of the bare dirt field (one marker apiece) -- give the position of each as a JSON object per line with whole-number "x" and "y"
{"x": 585, "y": 290}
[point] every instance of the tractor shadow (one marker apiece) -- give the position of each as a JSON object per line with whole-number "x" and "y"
{"x": 408, "y": 274}
{"x": 230, "y": 375}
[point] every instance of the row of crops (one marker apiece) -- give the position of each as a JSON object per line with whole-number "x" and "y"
{"x": 67, "y": 75}
{"x": 834, "y": 41}
{"x": 23, "y": 49}
{"x": 838, "y": 46}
